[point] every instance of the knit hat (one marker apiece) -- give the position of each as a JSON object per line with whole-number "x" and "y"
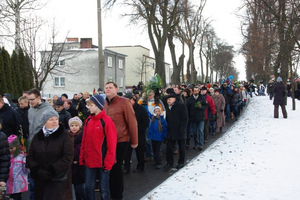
{"x": 47, "y": 114}
{"x": 75, "y": 120}
{"x": 156, "y": 107}
{"x": 170, "y": 91}
{"x": 13, "y": 140}
{"x": 98, "y": 100}
{"x": 279, "y": 79}
{"x": 203, "y": 88}
{"x": 128, "y": 96}
{"x": 65, "y": 95}
{"x": 59, "y": 103}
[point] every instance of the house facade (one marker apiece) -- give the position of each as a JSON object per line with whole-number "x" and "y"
{"x": 77, "y": 69}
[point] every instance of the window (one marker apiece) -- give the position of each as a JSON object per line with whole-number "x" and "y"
{"x": 121, "y": 82}
{"x": 60, "y": 62}
{"x": 109, "y": 61}
{"x": 120, "y": 63}
{"x": 59, "y": 81}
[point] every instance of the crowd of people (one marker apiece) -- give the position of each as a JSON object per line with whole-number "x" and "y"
{"x": 88, "y": 140}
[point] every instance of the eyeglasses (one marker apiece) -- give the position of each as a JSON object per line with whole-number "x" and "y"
{"x": 31, "y": 99}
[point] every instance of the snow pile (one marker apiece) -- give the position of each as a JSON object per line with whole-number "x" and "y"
{"x": 258, "y": 158}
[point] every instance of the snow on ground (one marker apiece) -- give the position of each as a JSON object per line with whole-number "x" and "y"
{"x": 258, "y": 158}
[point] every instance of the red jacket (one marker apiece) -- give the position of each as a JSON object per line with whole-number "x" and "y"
{"x": 211, "y": 106}
{"x": 92, "y": 141}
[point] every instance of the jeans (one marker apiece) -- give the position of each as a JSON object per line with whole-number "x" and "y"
{"x": 31, "y": 182}
{"x": 156, "y": 146}
{"x": 198, "y": 129}
{"x": 148, "y": 146}
{"x": 212, "y": 127}
{"x": 227, "y": 111}
{"x": 80, "y": 192}
{"x": 90, "y": 181}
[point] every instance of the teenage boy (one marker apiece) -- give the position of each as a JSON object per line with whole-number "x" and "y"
{"x": 98, "y": 147}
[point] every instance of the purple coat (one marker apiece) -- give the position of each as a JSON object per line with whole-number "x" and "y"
{"x": 279, "y": 94}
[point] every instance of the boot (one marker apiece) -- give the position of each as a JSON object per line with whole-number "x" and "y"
{"x": 220, "y": 129}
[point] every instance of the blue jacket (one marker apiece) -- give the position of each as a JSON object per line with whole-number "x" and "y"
{"x": 154, "y": 134}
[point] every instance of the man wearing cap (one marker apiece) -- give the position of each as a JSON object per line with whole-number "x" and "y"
{"x": 143, "y": 123}
{"x": 177, "y": 119}
{"x": 196, "y": 106}
{"x": 64, "y": 115}
{"x": 121, "y": 112}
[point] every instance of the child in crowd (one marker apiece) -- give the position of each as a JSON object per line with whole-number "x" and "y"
{"x": 98, "y": 148}
{"x": 157, "y": 134}
{"x": 78, "y": 172}
{"x": 18, "y": 173}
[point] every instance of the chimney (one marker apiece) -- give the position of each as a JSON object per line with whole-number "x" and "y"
{"x": 85, "y": 43}
{"x": 72, "y": 39}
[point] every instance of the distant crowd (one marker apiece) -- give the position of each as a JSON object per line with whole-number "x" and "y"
{"x": 87, "y": 141}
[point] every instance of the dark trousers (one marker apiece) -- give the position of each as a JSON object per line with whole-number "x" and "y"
{"x": 206, "y": 129}
{"x": 156, "y": 146}
{"x": 170, "y": 147}
{"x": 284, "y": 113}
{"x": 139, "y": 151}
{"x": 16, "y": 196}
{"x": 116, "y": 181}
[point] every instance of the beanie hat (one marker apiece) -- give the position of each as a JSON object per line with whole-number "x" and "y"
{"x": 170, "y": 90}
{"x": 65, "y": 95}
{"x": 59, "y": 103}
{"x": 203, "y": 88}
{"x": 156, "y": 107}
{"x": 279, "y": 79}
{"x": 47, "y": 114}
{"x": 13, "y": 140}
{"x": 75, "y": 120}
{"x": 98, "y": 100}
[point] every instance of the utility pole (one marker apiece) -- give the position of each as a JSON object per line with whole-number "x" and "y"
{"x": 100, "y": 48}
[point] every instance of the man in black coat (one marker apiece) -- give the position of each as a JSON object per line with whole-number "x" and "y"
{"x": 196, "y": 106}
{"x": 177, "y": 119}
{"x": 23, "y": 112}
{"x": 10, "y": 119}
{"x": 143, "y": 123}
{"x": 64, "y": 115}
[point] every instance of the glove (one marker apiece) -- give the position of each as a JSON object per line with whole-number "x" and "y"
{"x": 221, "y": 110}
{"x": 43, "y": 175}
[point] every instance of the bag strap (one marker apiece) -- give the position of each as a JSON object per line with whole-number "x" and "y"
{"x": 104, "y": 145}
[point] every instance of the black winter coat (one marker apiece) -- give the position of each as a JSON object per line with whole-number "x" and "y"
{"x": 48, "y": 157}
{"x": 143, "y": 120}
{"x": 279, "y": 94}
{"x": 177, "y": 119}
{"x": 4, "y": 158}
{"x": 10, "y": 120}
{"x": 196, "y": 115}
{"x": 64, "y": 117}
{"x": 23, "y": 112}
{"x": 78, "y": 171}
{"x": 73, "y": 111}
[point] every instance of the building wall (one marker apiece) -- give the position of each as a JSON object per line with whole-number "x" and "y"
{"x": 136, "y": 55}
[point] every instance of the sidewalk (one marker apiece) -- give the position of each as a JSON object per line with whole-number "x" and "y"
{"x": 258, "y": 158}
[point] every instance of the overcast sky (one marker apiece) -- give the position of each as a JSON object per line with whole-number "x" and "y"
{"x": 79, "y": 18}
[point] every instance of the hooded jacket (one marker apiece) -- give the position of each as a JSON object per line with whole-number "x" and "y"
{"x": 34, "y": 117}
{"x": 10, "y": 120}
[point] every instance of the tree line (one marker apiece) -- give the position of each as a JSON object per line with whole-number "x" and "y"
{"x": 15, "y": 73}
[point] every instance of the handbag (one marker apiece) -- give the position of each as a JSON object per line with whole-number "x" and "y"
{"x": 60, "y": 177}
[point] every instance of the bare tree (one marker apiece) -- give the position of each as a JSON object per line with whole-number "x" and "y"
{"x": 144, "y": 68}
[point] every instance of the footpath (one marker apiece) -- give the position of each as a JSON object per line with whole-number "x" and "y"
{"x": 257, "y": 158}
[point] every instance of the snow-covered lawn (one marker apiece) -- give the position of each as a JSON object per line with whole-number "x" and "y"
{"x": 258, "y": 158}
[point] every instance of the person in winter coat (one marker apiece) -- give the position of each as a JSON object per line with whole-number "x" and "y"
{"x": 68, "y": 107}
{"x": 78, "y": 171}
{"x": 4, "y": 158}
{"x": 23, "y": 112}
{"x": 196, "y": 106}
{"x": 64, "y": 115}
{"x": 157, "y": 133}
{"x": 270, "y": 87}
{"x": 98, "y": 148}
{"x": 8, "y": 97}
{"x": 226, "y": 92}
{"x": 49, "y": 159}
{"x": 220, "y": 107}
{"x": 177, "y": 119}
{"x": 279, "y": 98}
{"x": 10, "y": 119}
{"x": 18, "y": 173}
{"x": 142, "y": 119}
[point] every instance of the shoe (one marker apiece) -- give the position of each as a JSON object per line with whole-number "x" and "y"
{"x": 175, "y": 152}
{"x": 186, "y": 146}
{"x": 137, "y": 170}
{"x": 167, "y": 167}
{"x": 220, "y": 129}
{"x": 179, "y": 166}
{"x": 148, "y": 159}
{"x": 126, "y": 171}
{"x": 205, "y": 141}
{"x": 158, "y": 167}
{"x": 200, "y": 148}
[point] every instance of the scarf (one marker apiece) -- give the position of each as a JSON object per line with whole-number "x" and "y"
{"x": 48, "y": 132}
{"x": 196, "y": 97}
{"x": 160, "y": 127}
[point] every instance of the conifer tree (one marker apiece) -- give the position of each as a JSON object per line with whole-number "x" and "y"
{"x": 29, "y": 82}
{"x": 7, "y": 71}
{"x": 3, "y": 84}
{"x": 17, "y": 80}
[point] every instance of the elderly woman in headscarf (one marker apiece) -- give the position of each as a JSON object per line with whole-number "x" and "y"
{"x": 49, "y": 158}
